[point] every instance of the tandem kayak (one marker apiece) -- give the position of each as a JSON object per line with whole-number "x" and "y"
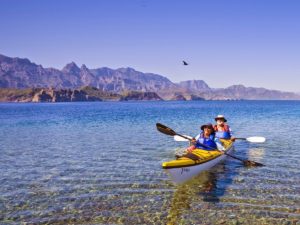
{"x": 184, "y": 168}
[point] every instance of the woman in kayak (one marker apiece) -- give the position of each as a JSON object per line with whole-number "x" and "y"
{"x": 205, "y": 140}
{"x": 222, "y": 130}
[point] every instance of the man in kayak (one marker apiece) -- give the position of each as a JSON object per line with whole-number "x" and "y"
{"x": 222, "y": 130}
{"x": 205, "y": 140}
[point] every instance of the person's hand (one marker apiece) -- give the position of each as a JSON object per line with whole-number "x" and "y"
{"x": 232, "y": 139}
{"x": 191, "y": 148}
{"x": 193, "y": 141}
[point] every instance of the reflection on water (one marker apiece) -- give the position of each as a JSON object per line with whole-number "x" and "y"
{"x": 187, "y": 193}
{"x": 195, "y": 195}
{"x": 257, "y": 153}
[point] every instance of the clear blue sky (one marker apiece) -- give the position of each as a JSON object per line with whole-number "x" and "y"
{"x": 251, "y": 42}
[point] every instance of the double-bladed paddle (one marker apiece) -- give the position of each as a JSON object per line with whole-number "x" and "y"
{"x": 249, "y": 139}
{"x": 168, "y": 131}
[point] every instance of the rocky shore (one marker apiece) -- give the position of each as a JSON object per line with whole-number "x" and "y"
{"x": 67, "y": 95}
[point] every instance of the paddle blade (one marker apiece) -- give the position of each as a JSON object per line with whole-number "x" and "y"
{"x": 256, "y": 139}
{"x": 179, "y": 138}
{"x": 245, "y": 162}
{"x": 252, "y": 163}
{"x": 164, "y": 129}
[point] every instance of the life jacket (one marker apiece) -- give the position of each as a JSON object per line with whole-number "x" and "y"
{"x": 209, "y": 142}
{"x": 225, "y": 133}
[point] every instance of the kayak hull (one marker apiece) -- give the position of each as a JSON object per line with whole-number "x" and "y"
{"x": 183, "y": 169}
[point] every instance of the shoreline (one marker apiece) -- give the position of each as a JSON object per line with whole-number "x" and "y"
{"x": 92, "y": 94}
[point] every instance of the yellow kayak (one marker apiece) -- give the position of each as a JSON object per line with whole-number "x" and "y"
{"x": 193, "y": 163}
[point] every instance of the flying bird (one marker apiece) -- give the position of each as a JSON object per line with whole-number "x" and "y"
{"x": 184, "y": 63}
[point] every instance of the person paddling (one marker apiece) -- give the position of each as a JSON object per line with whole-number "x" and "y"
{"x": 205, "y": 140}
{"x": 222, "y": 129}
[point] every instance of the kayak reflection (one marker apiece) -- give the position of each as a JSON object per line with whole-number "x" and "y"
{"x": 196, "y": 193}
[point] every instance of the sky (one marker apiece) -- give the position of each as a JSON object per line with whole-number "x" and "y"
{"x": 255, "y": 43}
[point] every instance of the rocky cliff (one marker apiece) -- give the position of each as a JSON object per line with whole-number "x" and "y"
{"x": 68, "y": 95}
{"x": 45, "y": 95}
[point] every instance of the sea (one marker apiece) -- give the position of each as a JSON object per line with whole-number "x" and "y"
{"x": 100, "y": 163}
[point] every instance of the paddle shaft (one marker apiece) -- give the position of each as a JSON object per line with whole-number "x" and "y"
{"x": 190, "y": 139}
{"x": 249, "y": 139}
{"x": 246, "y": 162}
{"x": 225, "y": 153}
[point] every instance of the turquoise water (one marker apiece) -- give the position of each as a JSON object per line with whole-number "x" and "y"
{"x": 100, "y": 163}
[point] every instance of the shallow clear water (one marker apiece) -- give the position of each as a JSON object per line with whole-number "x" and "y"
{"x": 100, "y": 163}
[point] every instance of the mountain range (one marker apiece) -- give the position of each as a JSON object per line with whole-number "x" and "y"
{"x": 18, "y": 73}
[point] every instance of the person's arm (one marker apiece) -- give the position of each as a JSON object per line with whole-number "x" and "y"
{"x": 232, "y": 138}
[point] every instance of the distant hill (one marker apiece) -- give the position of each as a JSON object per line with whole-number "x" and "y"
{"x": 20, "y": 73}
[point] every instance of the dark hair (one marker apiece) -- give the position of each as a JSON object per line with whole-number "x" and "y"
{"x": 209, "y": 125}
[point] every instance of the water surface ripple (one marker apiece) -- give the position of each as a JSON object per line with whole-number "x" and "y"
{"x": 100, "y": 163}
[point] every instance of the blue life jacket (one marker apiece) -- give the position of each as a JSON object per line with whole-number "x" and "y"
{"x": 223, "y": 134}
{"x": 209, "y": 142}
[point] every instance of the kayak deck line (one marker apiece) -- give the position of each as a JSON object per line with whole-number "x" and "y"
{"x": 203, "y": 155}
{"x": 186, "y": 161}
